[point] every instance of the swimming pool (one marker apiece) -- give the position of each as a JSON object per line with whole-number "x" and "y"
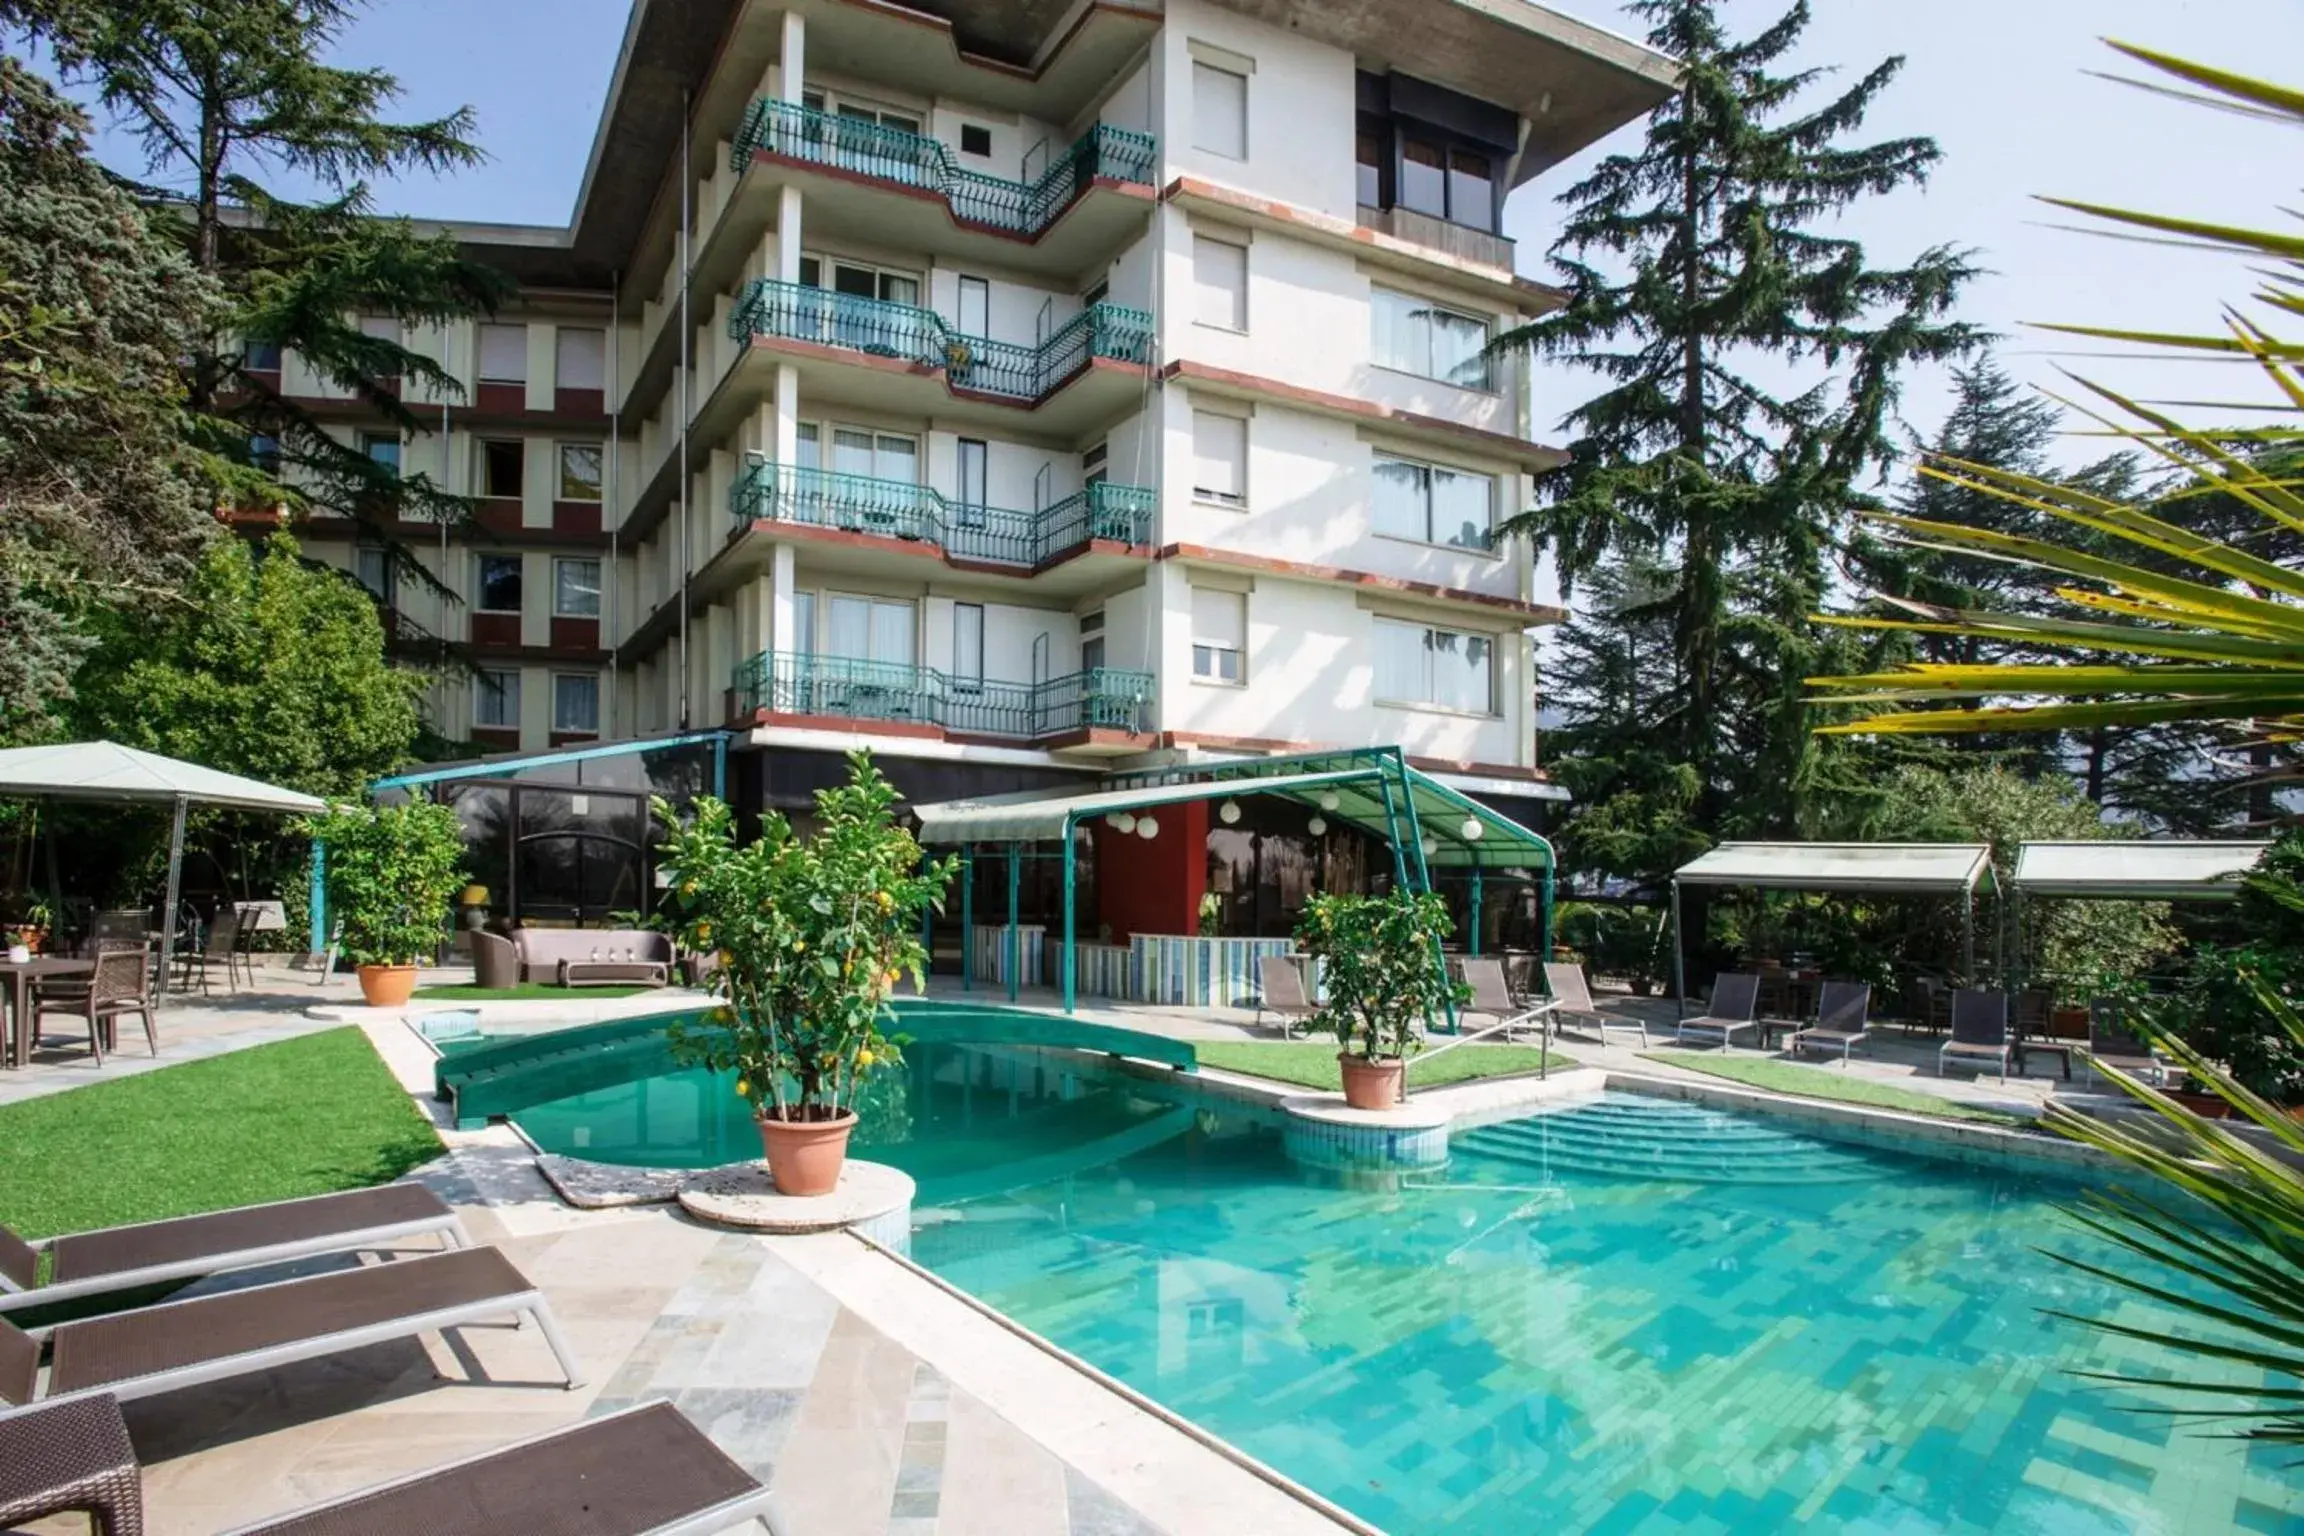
{"x": 1635, "y": 1316}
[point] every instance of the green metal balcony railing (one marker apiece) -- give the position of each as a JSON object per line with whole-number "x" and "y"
{"x": 1011, "y": 370}
{"x": 895, "y": 155}
{"x": 1101, "y": 698}
{"x": 898, "y": 509}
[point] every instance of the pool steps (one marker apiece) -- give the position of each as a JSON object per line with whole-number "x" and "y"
{"x": 1684, "y": 1143}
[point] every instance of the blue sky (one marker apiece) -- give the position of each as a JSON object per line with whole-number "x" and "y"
{"x": 2002, "y": 84}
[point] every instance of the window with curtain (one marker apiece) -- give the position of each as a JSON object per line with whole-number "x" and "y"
{"x": 496, "y": 697}
{"x": 874, "y": 455}
{"x": 1220, "y": 283}
{"x": 1444, "y": 668}
{"x": 1220, "y": 458}
{"x": 1219, "y": 635}
{"x": 1415, "y": 335}
{"x": 576, "y": 588}
{"x": 576, "y": 703}
{"x": 870, "y": 629}
{"x": 374, "y": 569}
{"x": 1433, "y": 505}
{"x": 383, "y": 448}
{"x": 499, "y": 584}
{"x": 968, "y": 646}
{"x": 503, "y": 354}
{"x": 1219, "y": 111}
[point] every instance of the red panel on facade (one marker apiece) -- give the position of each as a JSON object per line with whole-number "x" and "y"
{"x": 501, "y": 399}
{"x": 500, "y": 514}
{"x": 1153, "y": 886}
{"x": 495, "y": 629}
{"x": 580, "y": 402}
{"x": 576, "y": 516}
{"x": 575, "y": 634}
{"x": 496, "y": 736}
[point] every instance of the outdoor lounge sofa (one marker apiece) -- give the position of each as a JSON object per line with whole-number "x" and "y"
{"x": 1734, "y": 1005}
{"x": 1979, "y": 1030}
{"x": 213, "y": 1338}
{"x": 1842, "y": 1020}
{"x": 117, "y": 1258}
{"x": 572, "y": 957}
{"x": 646, "y": 1471}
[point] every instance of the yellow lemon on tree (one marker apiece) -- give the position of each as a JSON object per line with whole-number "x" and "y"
{"x": 864, "y": 1058}
{"x": 688, "y": 888}
{"x": 703, "y": 933}
{"x": 743, "y": 1088}
{"x": 886, "y": 901}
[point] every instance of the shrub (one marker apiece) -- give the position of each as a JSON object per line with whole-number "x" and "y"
{"x": 392, "y": 870}
{"x": 1381, "y": 968}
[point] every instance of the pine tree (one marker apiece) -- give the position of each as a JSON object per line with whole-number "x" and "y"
{"x": 221, "y": 94}
{"x": 1751, "y": 361}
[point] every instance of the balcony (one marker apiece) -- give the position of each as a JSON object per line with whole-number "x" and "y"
{"x": 1461, "y": 241}
{"x": 1101, "y": 699}
{"x": 897, "y": 509}
{"x": 893, "y": 157}
{"x": 1007, "y": 371}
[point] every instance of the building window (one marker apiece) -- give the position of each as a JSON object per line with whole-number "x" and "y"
{"x": 1433, "y": 505}
{"x": 1442, "y": 668}
{"x": 1368, "y": 168}
{"x": 865, "y": 629}
{"x": 383, "y": 448}
{"x": 1219, "y": 635}
{"x": 503, "y": 354}
{"x": 503, "y": 467}
{"x": 499, "y": 583}
{"x": 260, "y": 356}
{"x": 264, "y": 452}
{"x": 975, "y": 316}
{"x": 576, "y": 588}
{"x": 580, "y": 359}
{"x": 1220, "y": 283}
{"x": 576, "y": 703}
{"x": 975, "y": 460}
{"x": 373, "y": 568}
{"x": 1219, "y": 111}
{"x": 1220, "y": 458}
{"x": 1458, "y": 185}
{"x": 1092, "y": 641}
{"x": 860, "y": 281}
{"x": 968, "y": 646}
{"x": 1092, "y": 464}
{"x": 804, "y": 623}
{"x": 875, "y": 455}
{"x": 579, "y": 472}
{"x": 496, "y": 698}
{"x": 1415, "y": 335}
{"x": 975, "y": 139}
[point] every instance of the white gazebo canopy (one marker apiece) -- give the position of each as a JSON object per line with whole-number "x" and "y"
{"x": 1945, "y": 868}
{"x": 2135, "y": 869}
{"x": 105, "y": 770}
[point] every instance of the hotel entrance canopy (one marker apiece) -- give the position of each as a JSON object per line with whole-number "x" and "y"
{"x": 1425, "y": 824}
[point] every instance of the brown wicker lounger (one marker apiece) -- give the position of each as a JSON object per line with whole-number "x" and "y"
{"x": 184, "y": 1343}
{"x": 117, "y": 1258}
{"x": 644, "y": 1472}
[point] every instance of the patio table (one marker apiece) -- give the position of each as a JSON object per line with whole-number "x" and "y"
{"x": 20, "y": 975}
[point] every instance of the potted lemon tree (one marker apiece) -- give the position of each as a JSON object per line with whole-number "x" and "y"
{"x": 1381, "y": 978}
{"x": 812, "y": 935}
{"x": 392, "y": 872}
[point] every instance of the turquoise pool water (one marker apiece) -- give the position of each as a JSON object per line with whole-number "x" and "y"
{"x": 1637, "y": 1316}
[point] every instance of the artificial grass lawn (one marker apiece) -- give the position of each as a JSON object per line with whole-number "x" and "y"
{"x": 1822, "y": 1083}
{"x": 464, "y": 992}
{"x": 300, "y": 1117}
{"x": 1312, "y": 1063}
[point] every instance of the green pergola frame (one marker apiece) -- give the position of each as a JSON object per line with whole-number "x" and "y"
{"x": 1374, "y": 789}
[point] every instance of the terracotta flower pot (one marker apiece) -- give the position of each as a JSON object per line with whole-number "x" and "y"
{"x": 805, "y": 1156}
{"x": 2207, "y": 1106}
{"x": 387, "y": 986}
{"x": 1372, "y": 1084}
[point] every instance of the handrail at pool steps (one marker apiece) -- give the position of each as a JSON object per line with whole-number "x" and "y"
{"x": 1009, "y": 370}
{"x": 901, "y": 509}
{"x": 863, "y": 147}
{"x": 856, "y": 688}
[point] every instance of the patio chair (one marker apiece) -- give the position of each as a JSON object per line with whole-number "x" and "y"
{"x": 2029, "y": 1013}
{"x": 2114, "y": 1043}
{"x": 1280, "y": 990}
{"x": 214, "y": 1338}
{"x": 1979, "y": 1030}
{"x": 1735, "y": 1005}
{"x": 120, "y": 983}
{"x": 645, "y": 1471}
{"x": 1572, "y": 999}
{"x": 1492, "y": 998}
{"x": 150, "y": 1252}
{"x": 219, "y": 945}
{"x": 118, "y": 927}
{"x": 495, "y": 961}
{"x": 1842, "y": 1020}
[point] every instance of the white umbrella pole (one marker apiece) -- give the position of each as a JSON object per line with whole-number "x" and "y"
{"x": 175, "y": 884}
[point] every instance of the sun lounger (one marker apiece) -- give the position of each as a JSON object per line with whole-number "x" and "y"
{"x": 1979, "y": 1030}
{"x": 212, "y": 1338}
{"x": 646, "y": 1471}
{"x": 1735, "y": 1005}
{"x": 1842, "y": 1020}
{"x": 1572, "y": 999}
{"x": 117, "y": 1258}
{"x": 1281, "y": 991}
{"x": 2112, "y": 1043}
{"x": 1492, "y": 998}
